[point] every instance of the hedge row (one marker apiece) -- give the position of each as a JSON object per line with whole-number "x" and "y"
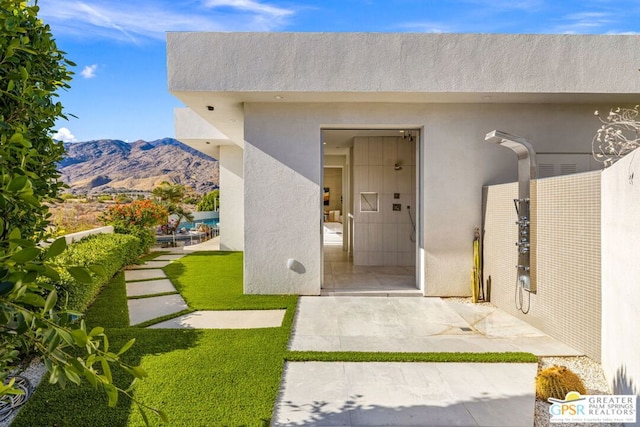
{"x": 111, "y": 251}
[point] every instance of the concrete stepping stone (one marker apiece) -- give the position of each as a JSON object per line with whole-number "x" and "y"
{"x": 143, "y": 309}
{"x": 169, "y": 257}
{"x": 150, "y": 264}
{"x": 232, "y": 319}
{"x": 131, "y": 275}
{"x": 149, "y": 287}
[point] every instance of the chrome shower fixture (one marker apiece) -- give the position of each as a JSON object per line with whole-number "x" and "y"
{"x": 526, "y": 172}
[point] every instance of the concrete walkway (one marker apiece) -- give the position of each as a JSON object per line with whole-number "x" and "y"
{"x": 406, "y": 394}
{"x": 151, "y": 295}
{"x": 409, "y": 394}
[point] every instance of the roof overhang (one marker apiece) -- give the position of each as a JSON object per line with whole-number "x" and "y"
{"x": 215, "y": 74}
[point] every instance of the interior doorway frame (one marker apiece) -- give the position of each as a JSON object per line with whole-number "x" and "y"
{"x": 419, "y": 272}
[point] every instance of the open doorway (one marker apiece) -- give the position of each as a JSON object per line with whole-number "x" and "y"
{"x": 370, "y": 211}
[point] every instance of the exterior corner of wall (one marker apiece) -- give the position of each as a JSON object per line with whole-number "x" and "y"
{"x": 231, "y": 199}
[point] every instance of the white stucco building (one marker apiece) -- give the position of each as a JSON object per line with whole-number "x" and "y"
{"x": 403, "y": 117}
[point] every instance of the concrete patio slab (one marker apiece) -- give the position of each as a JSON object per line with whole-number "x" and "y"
{"x": 143, "y": 309}
{"x": 210, "y": 245}
{"x": 169, "y": 257}
{"x": 149, "y": 287}
{"x": 406, "y": 394}
{"x": 131, "y": 275}
{"x": 150, "y": 264}
{"x": 236, "y": 319}
{"x": 413, "y": 325}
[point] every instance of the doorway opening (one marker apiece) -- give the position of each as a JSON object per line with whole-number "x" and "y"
{"x": 370, "y": 211}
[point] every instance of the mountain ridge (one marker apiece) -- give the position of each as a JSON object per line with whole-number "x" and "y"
{"x": 111, "y": 165}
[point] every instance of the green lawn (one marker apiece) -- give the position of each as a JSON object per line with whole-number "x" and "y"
{"x": 213, "y": 281}
{"x": 201, "y": 377}
{"x": 198, "y": 377}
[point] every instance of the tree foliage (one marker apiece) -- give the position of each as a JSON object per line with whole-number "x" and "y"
{"x": 209, "y": 202}
{"x": 32, "y": 69}
{"x": 171, "y": 196}
{"x": 136, "y": 218}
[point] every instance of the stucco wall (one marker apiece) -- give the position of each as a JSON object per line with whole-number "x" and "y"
{"x": 231, "y": 198}
{"x": 410, "y": 64}
{"x": 621, "y": 274}
{"x": 282, "y": 204}
{"x": 565, "y": 240}
{"x": 384, "y": 237}
{"x": 283, "y": 178}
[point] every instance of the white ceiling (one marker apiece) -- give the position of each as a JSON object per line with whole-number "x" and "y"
{"x": 338, "y": 141}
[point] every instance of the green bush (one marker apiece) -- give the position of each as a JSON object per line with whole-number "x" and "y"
{"x": 146, "y": 237}
{"x": 111, "y": 251}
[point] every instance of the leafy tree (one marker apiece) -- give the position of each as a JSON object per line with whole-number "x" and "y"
{"x": 170, "y": 196}
{"x": 171, "y": 193}
{"x": 209, "y": 202}
{"x": 32, "y": 69}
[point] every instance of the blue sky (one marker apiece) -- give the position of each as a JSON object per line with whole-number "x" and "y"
{"x": 120, "y": 89}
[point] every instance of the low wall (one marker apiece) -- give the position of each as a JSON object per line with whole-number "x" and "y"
{"x": 74, "y": 237}
{"x": 565, "y": 257}
{"x": 621, "y": 274}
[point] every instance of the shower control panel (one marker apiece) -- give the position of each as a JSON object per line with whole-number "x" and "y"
{"x": 524, "y": 244}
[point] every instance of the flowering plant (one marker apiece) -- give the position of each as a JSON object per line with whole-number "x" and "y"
{"x": 136, "y": 218}
{"x": 139, "y": 213}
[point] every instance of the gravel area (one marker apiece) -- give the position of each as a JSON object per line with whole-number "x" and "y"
{"x": 34, "y": 373}
{"x": 591, "y": 374}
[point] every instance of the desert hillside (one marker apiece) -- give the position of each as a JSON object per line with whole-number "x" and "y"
{"x": 116, "y": 166}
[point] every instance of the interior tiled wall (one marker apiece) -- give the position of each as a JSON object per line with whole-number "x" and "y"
{"x": 384, "y": 237}
{"x": 566, "y": 258}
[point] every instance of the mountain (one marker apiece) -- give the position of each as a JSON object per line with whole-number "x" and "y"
{"x": 110, "y": 165}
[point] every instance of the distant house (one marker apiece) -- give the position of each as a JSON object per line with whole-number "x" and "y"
{"x": 403, "y": 117}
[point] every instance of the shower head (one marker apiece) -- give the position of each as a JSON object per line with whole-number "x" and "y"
{"x": 526, "y": 157}
{"x": 519, "y": 145}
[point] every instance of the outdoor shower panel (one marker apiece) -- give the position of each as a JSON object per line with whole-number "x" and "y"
{"x": 526, "y": 172}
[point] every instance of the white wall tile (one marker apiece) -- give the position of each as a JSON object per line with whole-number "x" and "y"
{"x": 390, "y": 237}
{"x": 376, "y": 178}
{"x": 389, "y": 151}
{"x": 361, "y": 150}
{"x": 389, "y": 185}
{"x": 375, "y": 151}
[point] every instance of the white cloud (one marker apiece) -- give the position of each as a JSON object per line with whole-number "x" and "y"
{"x": 249, "y": 6}
{"x": 427, "y": 27}
{"x": 134, "y": 22}
{"x": 64, "y": 135}
{"x": 89, "y": 71}
{"x": 585, "y": 22}
{"x": 525, "y": 5}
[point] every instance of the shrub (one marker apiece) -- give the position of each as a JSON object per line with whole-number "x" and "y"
{"x": 556, "y": 382}
{"x": 110, "y": 251}
{"x": 136, "y": 218}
